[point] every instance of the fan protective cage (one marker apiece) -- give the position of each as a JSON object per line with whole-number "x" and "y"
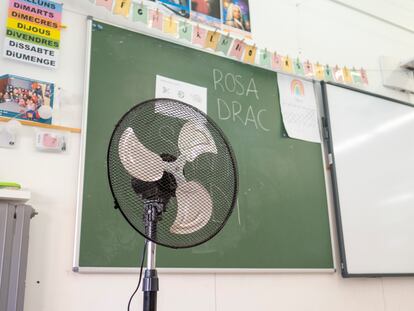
{"x": 159, "y": 124}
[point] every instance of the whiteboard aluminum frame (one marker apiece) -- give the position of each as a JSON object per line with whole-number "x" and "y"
{"x": 114, "y": 270}
{"x": 328, "y": 138}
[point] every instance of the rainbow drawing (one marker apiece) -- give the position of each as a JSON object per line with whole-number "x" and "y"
{"x": 297, "y": 88}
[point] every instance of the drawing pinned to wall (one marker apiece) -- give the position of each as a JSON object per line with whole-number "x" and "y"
{"x": 298, "y": 107}
{"x": 188, "y": 93}
{"x": 236, "y": 14}
{"x": 297, "y": 88}
{"x": 26, "y": 99}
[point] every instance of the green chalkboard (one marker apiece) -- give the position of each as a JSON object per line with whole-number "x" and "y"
{"x": 281, "y": 219}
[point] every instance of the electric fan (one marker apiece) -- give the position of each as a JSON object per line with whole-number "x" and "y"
{"x": 173, "y": 176}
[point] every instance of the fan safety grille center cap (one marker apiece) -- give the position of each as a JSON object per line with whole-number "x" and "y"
{"x": 177, "y": 169}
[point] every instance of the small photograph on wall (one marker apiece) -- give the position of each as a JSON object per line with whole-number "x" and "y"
{"x": 26, "y": 99}
{"x": 236, "y": 14}
{"x": 179, "y": 7}
{"x": 206, "y": 11}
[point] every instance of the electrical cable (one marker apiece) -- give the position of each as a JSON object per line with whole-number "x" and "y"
{"x": 140, "y": 275}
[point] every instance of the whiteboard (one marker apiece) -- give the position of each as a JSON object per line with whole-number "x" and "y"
{"x": 371, "y": 140}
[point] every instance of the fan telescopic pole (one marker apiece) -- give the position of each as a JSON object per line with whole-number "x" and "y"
{"x": 152, "y": 210}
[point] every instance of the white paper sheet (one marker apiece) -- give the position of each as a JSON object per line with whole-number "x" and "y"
{"x": 298, "y": 106}
{"x": 188, "y": 93}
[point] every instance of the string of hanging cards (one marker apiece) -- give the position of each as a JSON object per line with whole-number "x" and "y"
{"x": 218, "y": 41}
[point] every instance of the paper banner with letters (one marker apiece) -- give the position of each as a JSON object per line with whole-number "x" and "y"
{"x": 264, "y": 59}
{"x": 199, "y": 36}
{"x": 33, "y": 32}
{"x": 250, "y": 54}
{"x": 156, "y": 19}
{"x": 217, "y": 39}
{"x": 170, "y": 26}
{"x": 276, "y": 61}
{"x": 122, "y": 7}
{"x": 308, "y": 69}
{"x": 224, "y": 44}
{"x": 105, "y": 3}
{"x": 213, "y": 38}
{"x": 139, "y": 13}
{"x": 237, "y": 49}
{"x": 185, "y": 31}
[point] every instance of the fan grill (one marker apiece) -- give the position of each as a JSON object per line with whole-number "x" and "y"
{"x": 192, "y": 175}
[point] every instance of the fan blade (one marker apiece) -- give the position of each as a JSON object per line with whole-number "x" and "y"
{"x": 194, "y": 208}
{"x": 140, "y": 162}
{"x": 194, "y": 140}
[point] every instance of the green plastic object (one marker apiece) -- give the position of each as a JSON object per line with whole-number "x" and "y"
{"x": 9, "y": 185}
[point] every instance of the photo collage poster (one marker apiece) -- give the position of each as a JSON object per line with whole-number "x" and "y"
{"x": 231, "y": 15}
{"x": 25, "y": 99}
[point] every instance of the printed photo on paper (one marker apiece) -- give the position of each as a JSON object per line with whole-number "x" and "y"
{"x": 25, "y": 99}
{"x": 179, "y": 7}
{"x": 206, "y": 11}
{"x": 236, "y": 14}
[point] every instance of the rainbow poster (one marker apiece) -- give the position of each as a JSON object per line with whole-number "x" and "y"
{"x": 297, "y": 88}
{"x": 298, "y": 107}
{"x": 33, "y": 32}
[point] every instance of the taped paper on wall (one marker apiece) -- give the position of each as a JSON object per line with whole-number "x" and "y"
{"x": 191, "y": 94}
{"x": 298, "y": 106}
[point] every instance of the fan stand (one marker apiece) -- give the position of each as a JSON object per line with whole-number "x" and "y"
{"x": 153, "y": 210}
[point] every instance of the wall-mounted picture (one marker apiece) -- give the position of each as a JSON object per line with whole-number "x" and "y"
{"x": 26, "y": 99}
{"x": 236, "y": 14}
{"x": 179, "y": 7}
{"x": 232, "y": 15}
{"x": 206, "y": 11}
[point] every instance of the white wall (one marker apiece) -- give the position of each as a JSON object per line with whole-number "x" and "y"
{"x": 320, "y": 30}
